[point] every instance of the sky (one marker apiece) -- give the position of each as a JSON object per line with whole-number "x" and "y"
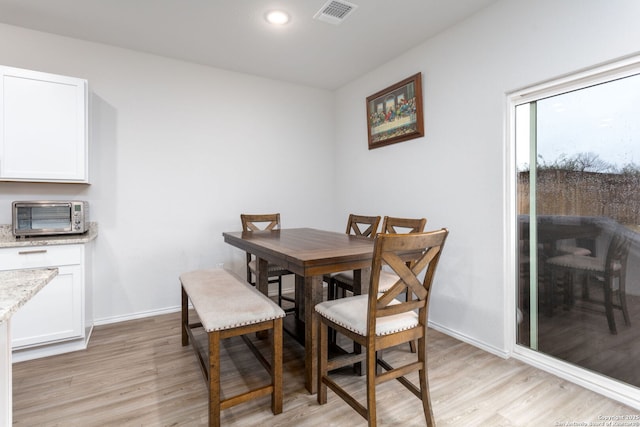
{"x": 602, "y": 119}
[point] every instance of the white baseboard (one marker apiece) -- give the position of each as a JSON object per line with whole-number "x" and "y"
{"x": 616, "y": 390}
{"x": 464, "y": 338}
{"x": 36, "y": 352}
{"x": 133, "y": 316}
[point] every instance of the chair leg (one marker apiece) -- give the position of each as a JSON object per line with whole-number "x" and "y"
{"x": 567, "y": 290}
{"x": 622, "y": 295}
{"x": 549, "y": 283}
{"x": 331, "y": 295}
{"x": 214, "y": 379}
{"x": 276, "y": 368}
{"x": 424, "y": 385}
{"x": 412, "y": 344}
{"x": 331, "y": 289}
{"x": 625, "y": 312}
{"x": 608, "y": 306}
{"x": 323, "y": 355}
{"x": 372, "y": 367}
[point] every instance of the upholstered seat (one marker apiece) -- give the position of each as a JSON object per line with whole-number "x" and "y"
{"x": 387, "y": 279}
{"x": 272, "y": 268}
{"x": 233, "y": 305}
{"x": 351, "y": 313}
{"x": 583, "y": 262}
{"x": 572, "y": 250}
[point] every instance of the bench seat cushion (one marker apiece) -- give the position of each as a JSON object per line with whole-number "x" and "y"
{"x": 224, "y": 301}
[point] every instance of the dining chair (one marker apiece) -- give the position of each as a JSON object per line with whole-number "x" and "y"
{"x": 378, "y": 320}
{"x": 394, "y": 225}
{"x": 259, "y": 222}
{"x": 357, "y": 225}
{"x": 608, "y": 274}
{"x": 344, "y": 281}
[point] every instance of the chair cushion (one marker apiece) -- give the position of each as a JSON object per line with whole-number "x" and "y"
{"x": 224, "y": 301}
{"x": 273, "y": 268}
{"x": 387, "y": 280}
{"x": 579, "y": 262}
{"x": 351, "y": 313}
{"x": 572, "y": 250}
{"x": 343, "y": 279}
{"x": 344, "y": 276}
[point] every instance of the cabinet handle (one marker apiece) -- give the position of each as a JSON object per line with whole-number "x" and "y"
{"x": 38, "y": 251}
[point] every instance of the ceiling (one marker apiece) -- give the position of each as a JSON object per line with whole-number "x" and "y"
{"x": 233, "y": 34}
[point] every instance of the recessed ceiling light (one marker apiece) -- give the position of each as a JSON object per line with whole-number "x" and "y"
{"x": 277, "y": 17}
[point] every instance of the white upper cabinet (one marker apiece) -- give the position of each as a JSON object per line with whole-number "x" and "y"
{"x": 43, "y": 127}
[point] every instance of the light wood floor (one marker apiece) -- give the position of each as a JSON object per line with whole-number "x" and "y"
{"x": 137, "y": 373}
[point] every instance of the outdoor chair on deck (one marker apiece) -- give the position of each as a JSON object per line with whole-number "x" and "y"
{"x": 608, "y": 274}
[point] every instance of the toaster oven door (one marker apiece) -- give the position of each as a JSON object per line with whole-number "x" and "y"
{"x": 37, "y": 219}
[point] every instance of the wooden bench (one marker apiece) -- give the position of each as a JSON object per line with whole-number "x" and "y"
{"x": 226, "y": 307}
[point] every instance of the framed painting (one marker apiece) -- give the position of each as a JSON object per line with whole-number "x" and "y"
{"x": 395, "y": 114}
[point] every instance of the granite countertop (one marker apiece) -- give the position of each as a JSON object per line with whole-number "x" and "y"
{"x": 8, "y": 240}
{"x": 19, "y": 286}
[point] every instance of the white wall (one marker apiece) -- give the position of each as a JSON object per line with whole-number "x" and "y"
{"x": 174, "y": 148}
{"x": 178, "y": 151}
{"x": 454, "y": 175}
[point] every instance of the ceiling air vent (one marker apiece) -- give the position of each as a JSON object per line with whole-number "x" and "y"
{"x": 334, "y": 12}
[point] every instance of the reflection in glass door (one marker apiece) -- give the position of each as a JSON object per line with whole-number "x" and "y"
{"x": 578, "y": 227}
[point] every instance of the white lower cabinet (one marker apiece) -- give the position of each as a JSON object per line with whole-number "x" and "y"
{"x": 54, "y": 321}
{"x": 53, "y": 314}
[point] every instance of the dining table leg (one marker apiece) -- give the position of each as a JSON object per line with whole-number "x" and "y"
{"x": 262, "y": 275}
{"x": 312, "y": 296}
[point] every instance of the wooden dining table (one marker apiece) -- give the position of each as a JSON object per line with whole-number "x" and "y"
{"x": 309, "y": 254}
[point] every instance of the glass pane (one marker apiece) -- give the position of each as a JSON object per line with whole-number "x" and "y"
{"x": 584, "y": 260}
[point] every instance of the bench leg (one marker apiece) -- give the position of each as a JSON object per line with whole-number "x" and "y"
{"x": 276, "y": 367}
{"x": 214, "y": 379}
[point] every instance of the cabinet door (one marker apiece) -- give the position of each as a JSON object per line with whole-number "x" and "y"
{"x": 53, "y": 314}
{"x": 43, "y": 127}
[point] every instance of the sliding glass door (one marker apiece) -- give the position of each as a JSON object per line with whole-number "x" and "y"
{"x": 578, "y": 223}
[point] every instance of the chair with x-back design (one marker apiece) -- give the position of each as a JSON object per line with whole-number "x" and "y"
{"x": 265, "y": 222}
{"x": 357, "y": 225}
{"x": 379, "y": 320}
